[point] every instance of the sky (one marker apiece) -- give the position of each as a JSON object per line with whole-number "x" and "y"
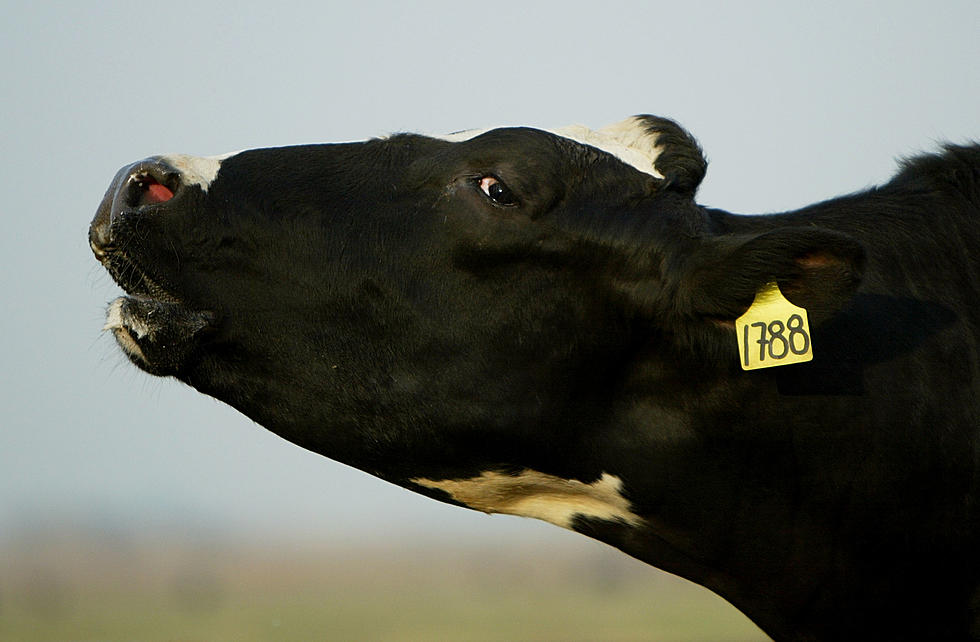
{"x": 793, "y": 102}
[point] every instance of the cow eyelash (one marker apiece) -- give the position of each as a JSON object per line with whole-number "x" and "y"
{"x": 495, "y": 189}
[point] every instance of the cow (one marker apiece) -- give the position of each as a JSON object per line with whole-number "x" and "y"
{"x": 783, "y": 408}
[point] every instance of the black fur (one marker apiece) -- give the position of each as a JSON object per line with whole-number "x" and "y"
{"x": 681, "y": 161}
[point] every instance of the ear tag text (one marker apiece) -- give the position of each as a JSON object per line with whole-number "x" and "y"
{"x": 773, "y": 332}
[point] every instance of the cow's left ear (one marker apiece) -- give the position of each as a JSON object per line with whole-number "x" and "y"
{"x": 816, "y": 269}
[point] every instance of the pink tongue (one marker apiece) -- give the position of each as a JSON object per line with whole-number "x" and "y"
{"x": 157, "y": 193}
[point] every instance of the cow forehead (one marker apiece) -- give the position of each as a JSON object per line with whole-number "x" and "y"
{"x": 630, "y": 140}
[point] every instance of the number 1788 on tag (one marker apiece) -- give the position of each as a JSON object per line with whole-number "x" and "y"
{"x": 773, "y": 332}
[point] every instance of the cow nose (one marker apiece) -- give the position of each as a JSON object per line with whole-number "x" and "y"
{"x": 135, "y": 186}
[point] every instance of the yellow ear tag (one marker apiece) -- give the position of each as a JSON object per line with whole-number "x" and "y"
{"x": 773, "y": 332}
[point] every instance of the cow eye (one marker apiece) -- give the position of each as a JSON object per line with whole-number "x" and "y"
{"x": 496, "y": 191}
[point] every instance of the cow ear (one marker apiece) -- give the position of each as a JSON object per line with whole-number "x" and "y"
{"x": 674, "y": 153}
{"x": 816, "y": 269}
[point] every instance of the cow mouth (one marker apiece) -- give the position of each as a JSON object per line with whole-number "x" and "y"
{"x": 130, "y": 276}
{"x": 154, "y": 328}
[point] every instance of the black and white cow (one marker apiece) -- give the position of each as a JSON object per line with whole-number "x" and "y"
{"x": 547, "y": 324}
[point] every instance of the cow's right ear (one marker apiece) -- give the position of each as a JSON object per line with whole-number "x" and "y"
{"x": 816, "y": 269}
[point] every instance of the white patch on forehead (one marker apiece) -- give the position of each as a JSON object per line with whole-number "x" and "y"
{"x": 629, "y": 140}
{"x": 541, "y": 496}
{"x": 466, "y": 134}
{"x": 196, "y": 170}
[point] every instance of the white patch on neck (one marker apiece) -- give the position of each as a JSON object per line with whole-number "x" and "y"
{"x": 541, "y": 496}
{"x": 628, "y": 140}
{"x": 196, "y": 170}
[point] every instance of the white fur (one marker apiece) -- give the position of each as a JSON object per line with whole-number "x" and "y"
{"x": 541, "y": 496}
{"x": 196, "y": 170}
{"x": 114, "y": 316}
{"x": 627, "y": 140}
{"x": 120, "y": 323}
{"x": 466, "y": 134}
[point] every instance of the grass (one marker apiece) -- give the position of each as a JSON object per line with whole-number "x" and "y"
{"x": 75, "y": 588}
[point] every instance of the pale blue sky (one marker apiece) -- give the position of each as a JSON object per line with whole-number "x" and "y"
{"x": 793, "y": 102}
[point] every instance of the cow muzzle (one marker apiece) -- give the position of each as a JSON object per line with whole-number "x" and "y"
{"x": 152, "y": 325}
{"x": 134, "y": 187}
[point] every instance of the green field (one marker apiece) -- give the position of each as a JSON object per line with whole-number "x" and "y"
{"x": 76, "y": 587}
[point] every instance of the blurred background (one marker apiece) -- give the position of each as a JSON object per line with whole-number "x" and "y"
{"x": 134, "y": 508}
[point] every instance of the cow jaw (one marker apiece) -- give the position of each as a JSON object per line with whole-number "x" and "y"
{"x": 158, "y": 336}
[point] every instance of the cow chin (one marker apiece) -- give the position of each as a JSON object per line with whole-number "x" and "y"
{"x": 158, "y": 336}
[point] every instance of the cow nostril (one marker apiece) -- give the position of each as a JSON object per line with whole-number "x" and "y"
{"x": 150, "y": 190}
{"x": 158, "y": 193}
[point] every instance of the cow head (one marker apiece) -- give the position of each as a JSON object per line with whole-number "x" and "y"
{"x": 436, "y": 308}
